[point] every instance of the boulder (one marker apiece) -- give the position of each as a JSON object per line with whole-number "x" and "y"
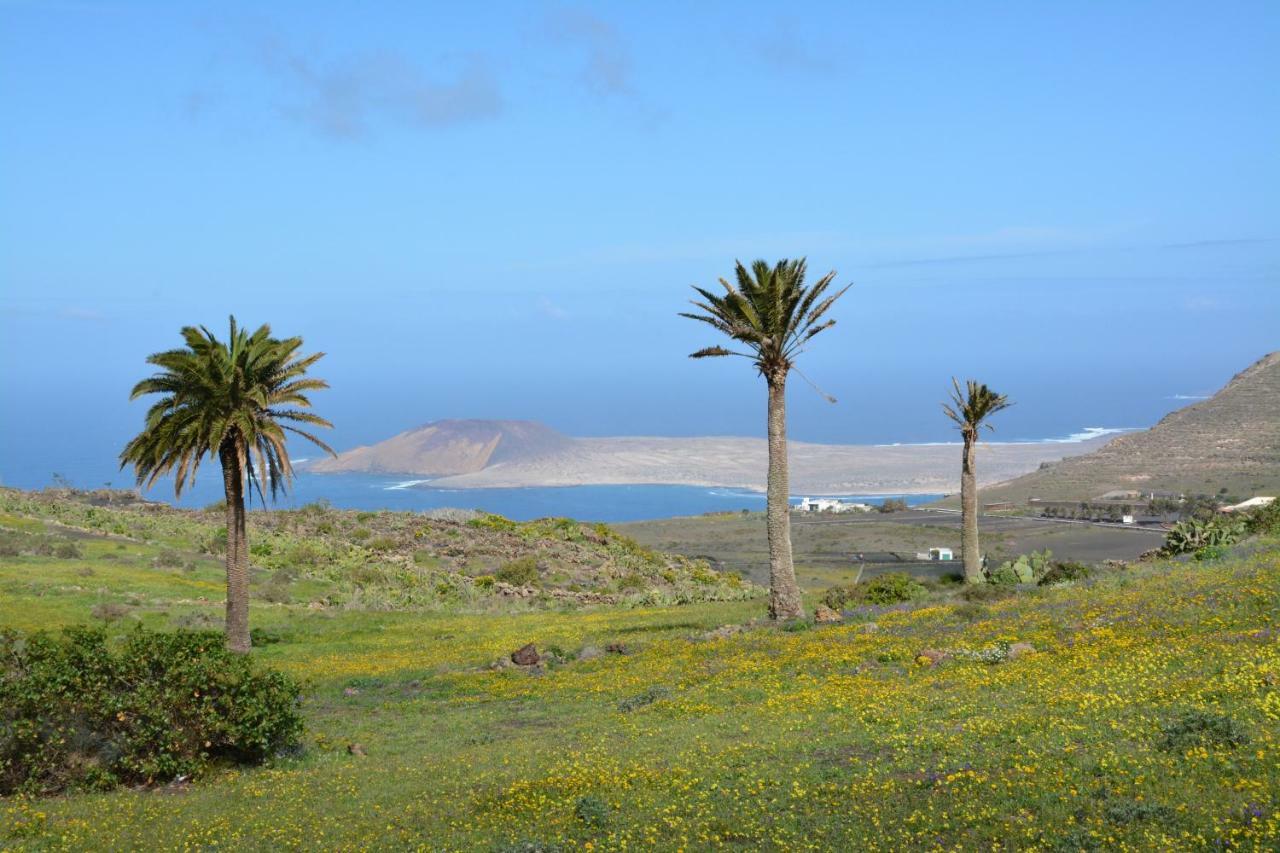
{"x": 826, "y": 614}
{"x": 590, "y": 653}
{"x": 355, "y": 749}
{"x": 526, "y": 655}
{"x": 1018, "y": 650}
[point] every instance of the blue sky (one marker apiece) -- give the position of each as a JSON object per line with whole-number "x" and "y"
{"x": 496, "y": 210}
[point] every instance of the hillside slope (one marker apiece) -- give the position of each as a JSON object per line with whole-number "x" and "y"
{"x": 1143, "y": 713}
{"x": 1231, "y": 441}
{"x": 449, "y": 447}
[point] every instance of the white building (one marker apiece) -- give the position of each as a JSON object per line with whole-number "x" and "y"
{"x": 1252, "y": 503}
{"x": 830, "y": 505}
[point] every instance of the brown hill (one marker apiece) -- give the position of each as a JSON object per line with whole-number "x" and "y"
{"x": 1230, "y": 441}
{"x": 444, "y": 448}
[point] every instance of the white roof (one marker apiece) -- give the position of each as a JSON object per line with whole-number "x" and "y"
{"x": 1249, "y": 504}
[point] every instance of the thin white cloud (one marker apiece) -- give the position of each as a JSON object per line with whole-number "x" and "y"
{"x": 547, "y": 308}
{"x": 343, "y": 98}
{"x": 606, "y": 68}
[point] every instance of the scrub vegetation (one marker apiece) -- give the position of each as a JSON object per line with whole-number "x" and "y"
{"x": 1135, "y": 707}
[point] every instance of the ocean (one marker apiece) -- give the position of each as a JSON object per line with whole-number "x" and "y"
{"x": 88, "y": 467}
{"x": 587, "y": 503}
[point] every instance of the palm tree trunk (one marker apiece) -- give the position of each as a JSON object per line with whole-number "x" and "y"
{"x": 784, "y": 593}
{"x": 237, "y": 551}
{"x": 969, "y": 510}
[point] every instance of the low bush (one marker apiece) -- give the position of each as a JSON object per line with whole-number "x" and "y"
{"x": 67, "y": 551}
{"x": 591, "y": 811}
{"x": 1209, "y": 553}
{"x": 522, "y": 571}
{"x": 1265, "y": 520}
{"x": 381, "y": 543}
{"x": 631, "y": 582}
{"x": 889, "y": 588}
{"x": 1064, "y": 572}
{"x": 1126, "y": 811}
{"x": 648, "y": 697}
{"x": 75, "y": 714}
{"x": 109, "y": 611}
{"x": 987, "y": 592}
{"x": 1202, "y": 728}
{"x": 168, "y": 560}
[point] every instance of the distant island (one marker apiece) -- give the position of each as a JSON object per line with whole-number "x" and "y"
{"x": 1229, "y": 443}
{"x": 509, "y": 453}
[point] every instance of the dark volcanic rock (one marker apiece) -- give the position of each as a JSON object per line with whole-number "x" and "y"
{"x": 526, "y": 655}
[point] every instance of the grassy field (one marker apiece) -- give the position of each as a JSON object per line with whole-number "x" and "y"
{"x": 826, "y": 546}
{"x": 1108, "y": 736}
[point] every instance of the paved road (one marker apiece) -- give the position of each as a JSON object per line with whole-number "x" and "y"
{"x": 951, "y": 517}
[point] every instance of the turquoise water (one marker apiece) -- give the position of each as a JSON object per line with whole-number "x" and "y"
{"x": 589, "y": 503}
{"x": 374, "y": 492}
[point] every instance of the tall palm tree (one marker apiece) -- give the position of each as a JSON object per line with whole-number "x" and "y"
{"x": 772, "y": 314}
{"x": 227, "y": 400}
{"x": 970, "y": 412}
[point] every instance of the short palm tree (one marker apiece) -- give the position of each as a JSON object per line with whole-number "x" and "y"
{"x": 772, "y": 314}
{"x": 230, "y": 400}
{"x": 970, "y": 411}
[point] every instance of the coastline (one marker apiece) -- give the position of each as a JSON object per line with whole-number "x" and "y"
{"x": 740, "y": 463}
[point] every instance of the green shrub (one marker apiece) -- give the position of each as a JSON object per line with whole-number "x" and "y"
{"x": 1126, "y": 811}
{"x": 591, "y": 810}
{"x": 425, "y": 557}
{"x": 1064, "y": 572}
{"x": 381, "y": 543}
{"x": 1202, "y": 728}
{"x": 75, "y": 714}
{"x": 485, "y": 581}
{"x": 1264, "y": 520}
{"x": 490, "y": 521}
{"x": 632, "y": 581}
{"x": 109, "y": 611}
{"x": 217, "y": 543}
{"x": 275, "y": 592}
{"x": 67, "y": 551}
{"x": 522, "y": 571}
{"x": 361, "y": 533}
{"x": 987, "y": 592}
{"x": 168, "y": 560}
{"x": 265, "y": 637}
{"x": 1209, "y": 553}
{"x": 648, "y": 697}
{"x": 889, "y": 588}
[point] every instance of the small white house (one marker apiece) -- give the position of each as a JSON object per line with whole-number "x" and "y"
{"x": 942, "y": 554}
{"x": 830, "y": 505}
{"x": 1127, "y": 519}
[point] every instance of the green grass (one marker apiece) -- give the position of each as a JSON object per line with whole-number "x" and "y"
{"x": 825, "y": 738}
